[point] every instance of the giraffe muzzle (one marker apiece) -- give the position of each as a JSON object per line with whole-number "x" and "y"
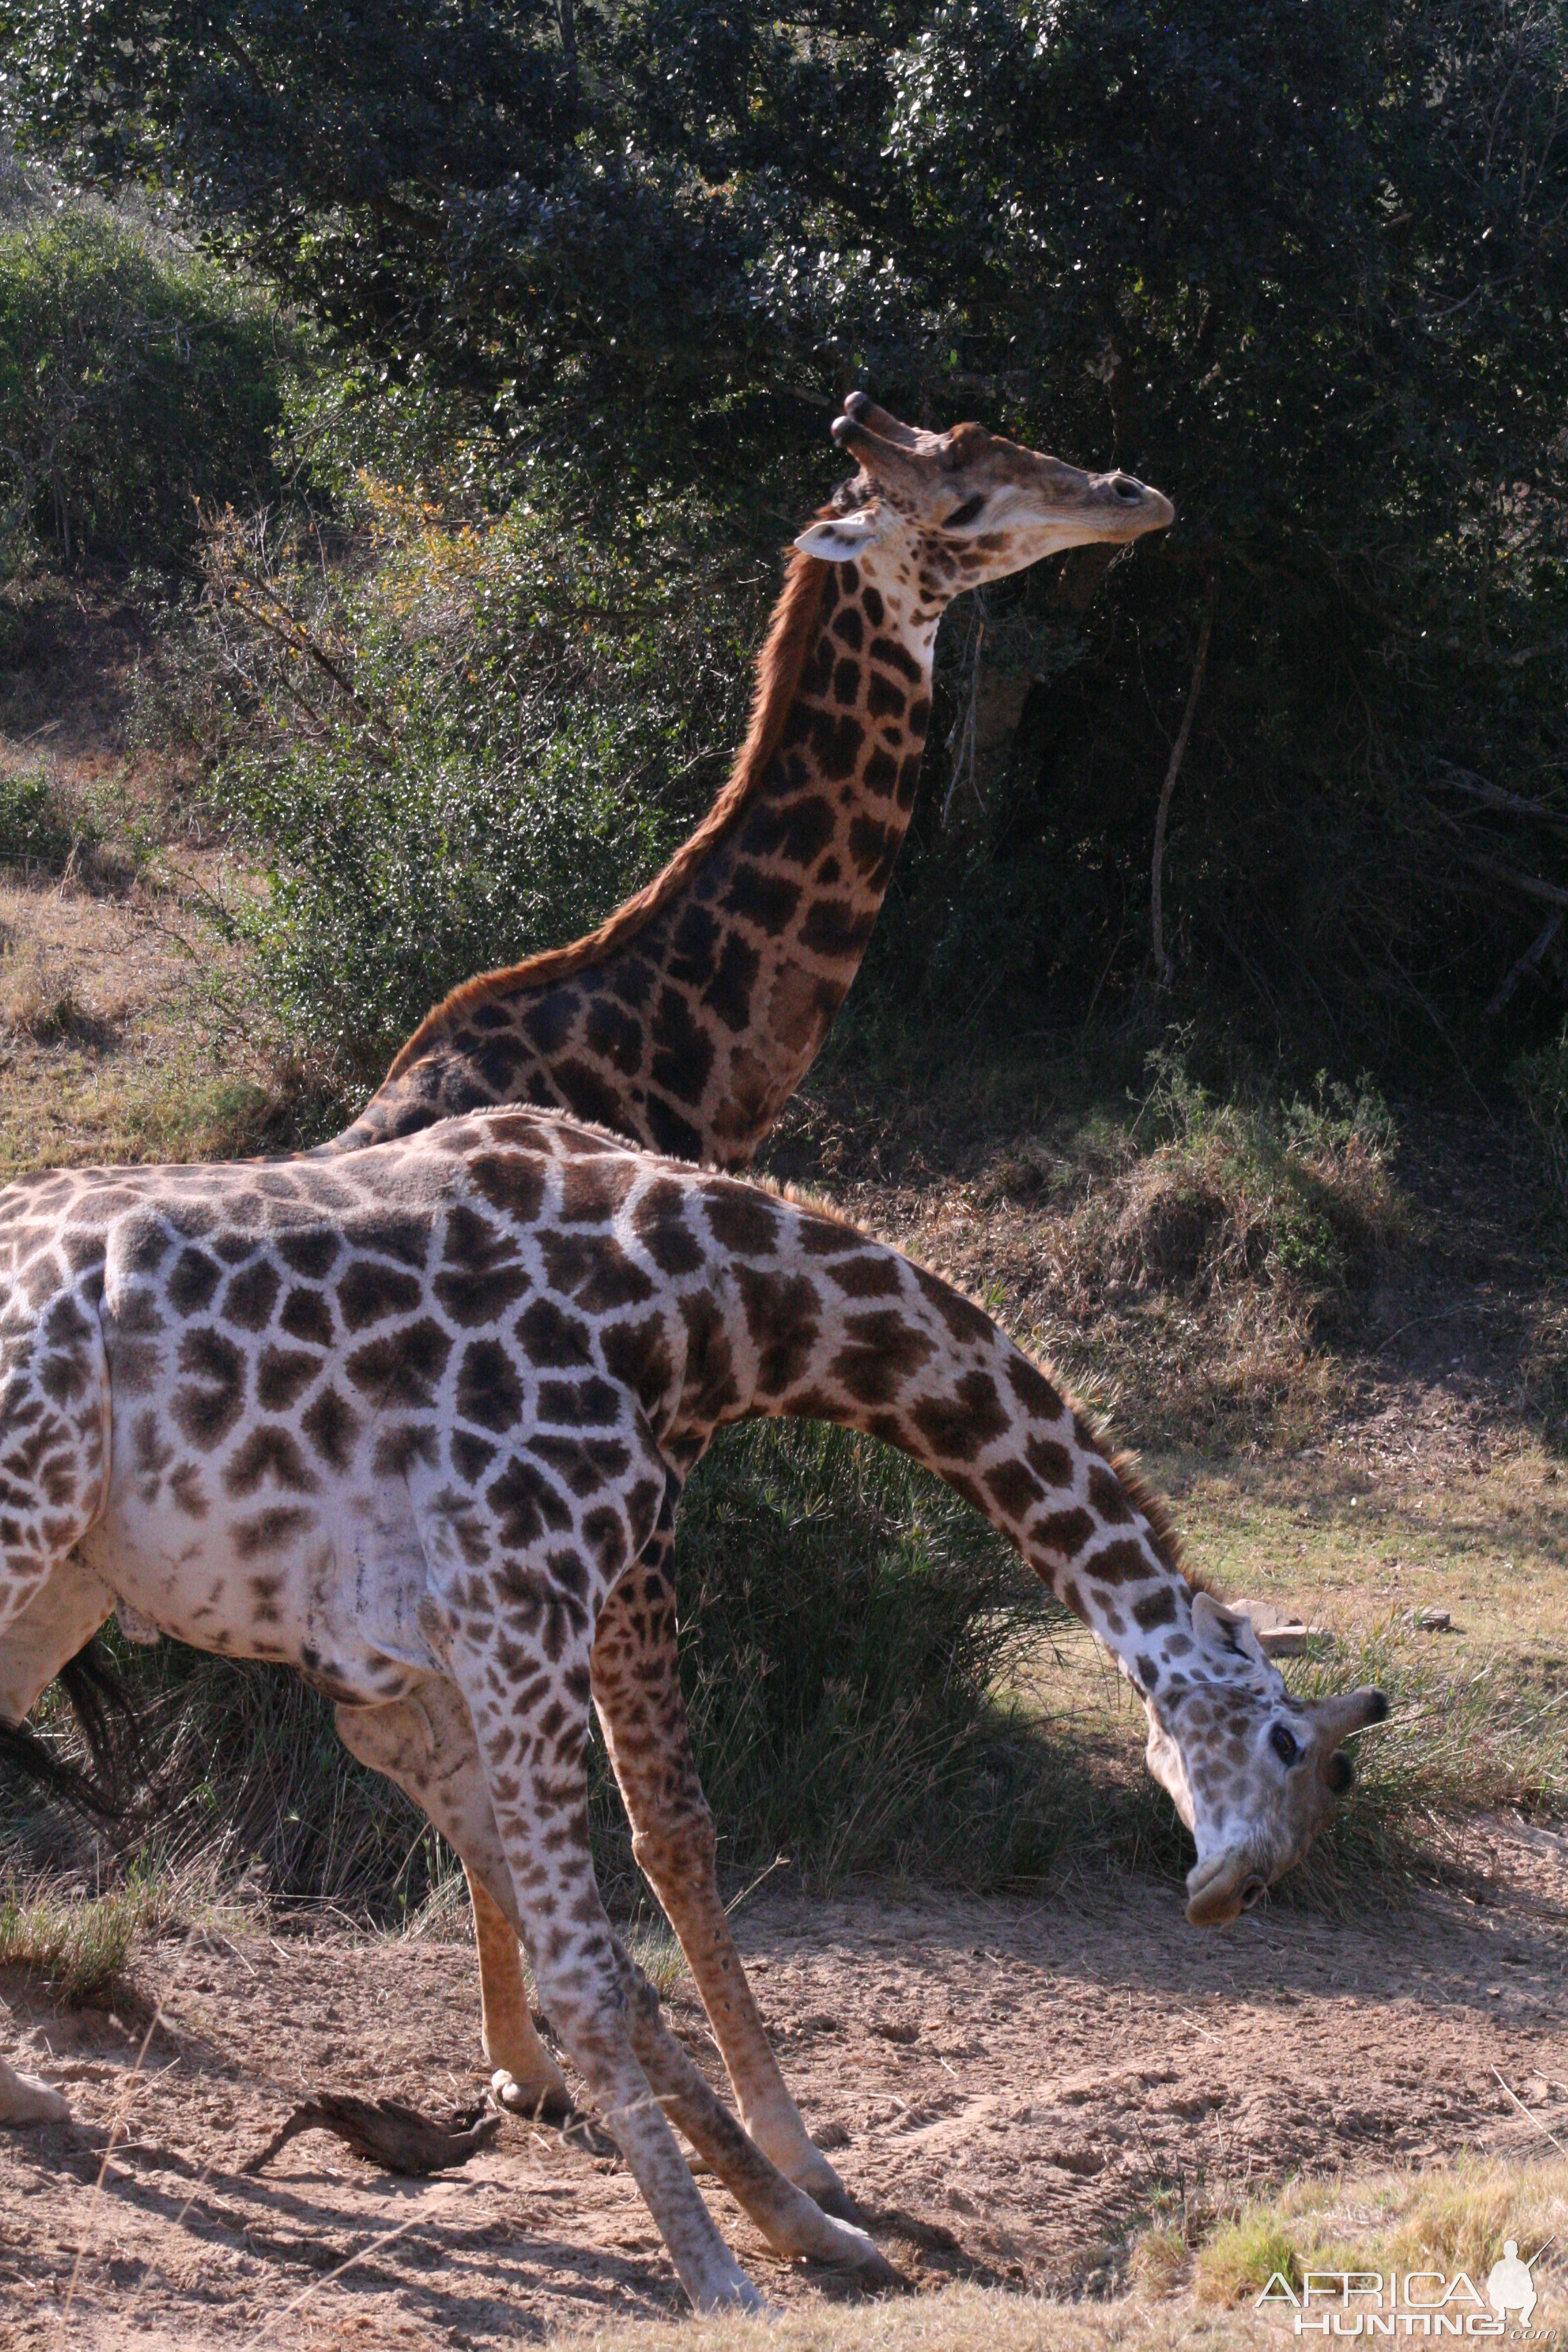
{"x": 1221, "y": 1890}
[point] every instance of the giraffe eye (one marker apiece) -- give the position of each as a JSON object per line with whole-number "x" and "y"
{"x": 965, "y": 513}
{"x": 1283, "y": 1744}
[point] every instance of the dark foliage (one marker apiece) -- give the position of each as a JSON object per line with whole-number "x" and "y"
{"x": 136, "y": 380}
{"x": 1302, "y": 265}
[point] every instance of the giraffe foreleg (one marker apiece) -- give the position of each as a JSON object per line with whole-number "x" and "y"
{"x": 537, "y": 1798}
{"x": 416, "y": 1742}
{"x": 636, "y": 1690}
{"x": 793, "y": 2222}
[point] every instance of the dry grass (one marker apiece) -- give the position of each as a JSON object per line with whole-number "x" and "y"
{"x": 40, "y": 996}
{"x": 80, "y": 1945}
{"x": 1360, "y": 1534}
{"x": 957, "y": 2319}
{"x": 123, "y": 1034}
{"x": 1452, "y": 2220}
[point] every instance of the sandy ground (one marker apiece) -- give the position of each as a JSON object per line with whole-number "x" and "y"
{"x": 1007, "y": 2085}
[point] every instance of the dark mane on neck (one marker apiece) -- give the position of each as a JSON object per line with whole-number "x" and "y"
{"x": 1143, "y": 1498}
{"x": 1157, "y": 1511}
{"x": 779, "y": 666}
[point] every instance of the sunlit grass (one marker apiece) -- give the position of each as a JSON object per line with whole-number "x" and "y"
{"x": 1455, "y": 2219}
{"x": 79, "y": 1944}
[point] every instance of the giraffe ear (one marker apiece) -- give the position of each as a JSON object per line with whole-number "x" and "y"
{"x": 1224, "y": 1633}
{"x": 838, "y": 538}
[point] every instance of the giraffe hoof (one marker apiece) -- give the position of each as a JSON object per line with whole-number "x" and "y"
{"x": 25, "y": 2100}
{"x": 536, "y": 2102}
{"x": 861, "y": 2259}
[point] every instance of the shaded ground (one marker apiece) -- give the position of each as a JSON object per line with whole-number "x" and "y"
{"x": 1020, "y": 2082}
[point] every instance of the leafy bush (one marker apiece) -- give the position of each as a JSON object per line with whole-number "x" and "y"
{"x": 135, "y": 380}
{"x": 1298, "y": 263}
{"x": 464, "y": 740}
{"x": 36, "y": 828}
{"x": 847, "y": 1621}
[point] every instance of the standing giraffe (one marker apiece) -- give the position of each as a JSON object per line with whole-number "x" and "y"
{"x": 404, "y": 1419}
{"x": 686, "y": 1022}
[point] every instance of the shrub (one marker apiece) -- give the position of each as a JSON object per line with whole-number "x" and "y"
{"x": 847, "y": 1619}
{"x": 1295, "y": 1195}
{"x": 134, "y": 379}
{"x": 35, "y": 827}
{"x": 463, "y": 740}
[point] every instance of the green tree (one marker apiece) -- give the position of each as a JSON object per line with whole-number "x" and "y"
{"x": 133, "y": 382}
{"x": 1302, "y": 262}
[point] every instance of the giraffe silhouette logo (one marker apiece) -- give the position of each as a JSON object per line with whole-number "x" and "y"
{"x": 1509, "y": 2286}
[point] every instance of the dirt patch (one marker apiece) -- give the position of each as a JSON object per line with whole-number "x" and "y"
{"x": 1010, "y": 2085}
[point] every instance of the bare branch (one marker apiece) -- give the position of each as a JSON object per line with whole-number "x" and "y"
{"x": 1529, "y": 886}
{"x": 1162, "y": 967}
{"x": 1463, "y": 780}
{"x": 1528, "y": 962}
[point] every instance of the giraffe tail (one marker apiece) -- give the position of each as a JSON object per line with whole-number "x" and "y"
{"x": 110, "y": 1719}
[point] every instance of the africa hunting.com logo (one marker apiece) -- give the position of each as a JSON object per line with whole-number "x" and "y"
{"x": 1413, "y": 2303}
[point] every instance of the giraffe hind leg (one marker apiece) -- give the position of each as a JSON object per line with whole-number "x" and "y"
{"x": 413, "y": 1742}
{"x": 635, "y": 1669}
{"x": 526, "y": 2078}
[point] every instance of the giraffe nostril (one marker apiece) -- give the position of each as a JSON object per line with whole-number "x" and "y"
{"x": 1125, "y": 488}
{"x": 1253, "y": 1892}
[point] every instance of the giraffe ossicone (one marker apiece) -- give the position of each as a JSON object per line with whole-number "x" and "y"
{"x": 404, "y": 1420}
{"x": 686, "y": 1021}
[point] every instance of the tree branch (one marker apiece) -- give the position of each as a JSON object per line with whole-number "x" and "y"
{"x": 1162, "y": 967}
{"x": 1526, "y": 963}
{"x": 1527, "y": 885}
{"x": 1463, "y": 780}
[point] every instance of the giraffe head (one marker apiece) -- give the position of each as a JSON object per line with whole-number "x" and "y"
{"x": 958, "y": 509}
{"x": 1254, "y": 1772}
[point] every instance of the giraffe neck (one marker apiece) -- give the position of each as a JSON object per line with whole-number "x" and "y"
{"x": 689, "y": 1019}
{"x": 805, "y": 1316}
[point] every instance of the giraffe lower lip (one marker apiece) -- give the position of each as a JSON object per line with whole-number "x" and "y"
{"x": 1219, "y": 1890}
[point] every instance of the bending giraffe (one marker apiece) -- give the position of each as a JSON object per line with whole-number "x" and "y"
{"x": 404, "y": 1420}
{"x": 686, "y": 1022}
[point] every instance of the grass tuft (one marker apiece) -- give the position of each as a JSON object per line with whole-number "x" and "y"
{"x": 82, "y": 1944}
{"x": 1450, "y": 2220}
{"x": 1243, "y": 2255}
{"x": 1216, "y": 1198}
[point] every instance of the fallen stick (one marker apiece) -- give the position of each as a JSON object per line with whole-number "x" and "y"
{"x": 385, "y": 2132}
